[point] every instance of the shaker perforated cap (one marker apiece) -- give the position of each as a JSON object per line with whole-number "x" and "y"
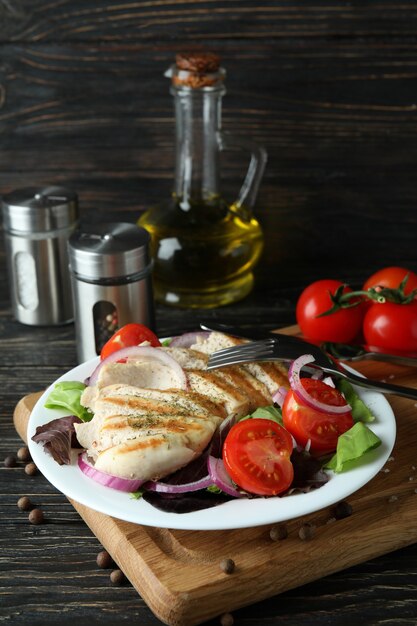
{"x": 39, "y": 209}
{"x": 109, "y": 250}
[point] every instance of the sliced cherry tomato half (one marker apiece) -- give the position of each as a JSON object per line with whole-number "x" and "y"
{"x": 256, "y": 454}
{"x": 308, "y": 424}
{"x": 129, "y": 335}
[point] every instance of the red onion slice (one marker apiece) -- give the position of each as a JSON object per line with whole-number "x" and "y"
{"x": 303, "y": 395}
{"x": 139, "y": 353}
{"x": 279, "y": 396}
{"x": 162, "y": 487}
{"x": 188, "y": 339}
{"x": 108, "y": 480}
{"x": 221, "y": 478}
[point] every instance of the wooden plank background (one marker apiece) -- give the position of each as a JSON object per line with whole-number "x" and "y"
{"x": 330, "y": 89}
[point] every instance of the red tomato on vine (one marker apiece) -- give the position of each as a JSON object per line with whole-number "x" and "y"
{"x": 340, "y": 326}
{"x": 392, "y": 326}
{"x": 392, "y": 277}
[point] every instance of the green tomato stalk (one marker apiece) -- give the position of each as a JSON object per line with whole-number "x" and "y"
{"x": 379, "y": 294}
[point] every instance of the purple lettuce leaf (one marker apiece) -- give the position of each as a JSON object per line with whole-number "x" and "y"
{"x": 58, "y": 437}
{"x": 196, "y": 470}
{"x": 308, "y": 472}
{"x": 184, "y": 502}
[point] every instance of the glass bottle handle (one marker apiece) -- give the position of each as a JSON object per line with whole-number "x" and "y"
{"x": 249, "y": 190}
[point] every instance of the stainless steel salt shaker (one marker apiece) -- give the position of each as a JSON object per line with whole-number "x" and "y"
{"x": 37, "y": 225}
{"x": 111, "y": 278}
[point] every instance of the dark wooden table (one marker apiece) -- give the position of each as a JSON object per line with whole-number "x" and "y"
{"x": 330, "y": 90}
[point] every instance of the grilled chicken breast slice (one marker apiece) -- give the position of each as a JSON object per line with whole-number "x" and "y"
{"x": 146, "y": 458}
{"x": 133, "y": 399}
{"x": 219, "y": 389}
{"x": 140, "y": 373}
{"x": 188, "y": 358}
{"x": 146, "y": 433}
{"x": 272, "y": 374}
{"x": 130, "y": 400}
{"x": 143, "y": 373}
{"x": 256, "y": 392}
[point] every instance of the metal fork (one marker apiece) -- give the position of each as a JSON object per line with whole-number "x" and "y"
{"x": 336, "y": 350}
{"x": 291, "y": 345}
{"x": 271, "y": 350}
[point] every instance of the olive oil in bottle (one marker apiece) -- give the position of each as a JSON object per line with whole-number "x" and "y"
{"x": 203, "y": 249}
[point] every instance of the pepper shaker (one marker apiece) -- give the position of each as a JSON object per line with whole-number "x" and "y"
{"x": 110, "y": 268}
{"x": 37, "y": 224}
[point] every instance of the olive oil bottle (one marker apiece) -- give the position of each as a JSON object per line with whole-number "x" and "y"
{"x": 203, "y": 248}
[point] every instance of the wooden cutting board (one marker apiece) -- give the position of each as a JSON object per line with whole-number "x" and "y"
{"x": 178, "y": 573}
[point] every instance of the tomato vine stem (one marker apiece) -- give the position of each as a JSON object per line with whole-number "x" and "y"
{"x": 378, "y": 294}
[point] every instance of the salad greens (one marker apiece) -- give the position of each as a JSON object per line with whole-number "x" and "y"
{"x": 353, "y": 444}
{"x": 309, "y": 470}
{"x": 272, "y": 412}
{"x": 360, "y": 412}
{"x": 66, "y": 395}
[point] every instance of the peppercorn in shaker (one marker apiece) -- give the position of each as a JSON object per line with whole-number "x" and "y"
{"x": 37, "y": 225}
{"x": 111, "y": 279}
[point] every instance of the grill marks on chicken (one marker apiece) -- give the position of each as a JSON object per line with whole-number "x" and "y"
{"x": 271, "y": 374}
{"x": 220, "y": 390}
{"x": 256, "y": 392}
{"x": 148, "y": 433}
{"x": 235, "y": 381}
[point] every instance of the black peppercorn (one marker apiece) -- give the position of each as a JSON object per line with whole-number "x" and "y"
{"x": 31, "y": 469}
{"x": 24, "y": 504}
{"x": 104, "y": 560}
{"x": 278, "y": 533}
{"x": 36, "y": 516}
{"x": 117, "y": 577}
{"x": 306, "y": 532}
{"x": 23, "y": 454}
{"x": 10, "y": 461}
{"x": 227, "y": 619}
{"x": 342, "y": 509}
{"x": 227, "y": 566}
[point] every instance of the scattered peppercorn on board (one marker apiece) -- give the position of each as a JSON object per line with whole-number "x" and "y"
{"x": 188, "y": 577}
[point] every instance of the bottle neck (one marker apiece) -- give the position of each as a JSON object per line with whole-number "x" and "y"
{"x": 198, "y": 123}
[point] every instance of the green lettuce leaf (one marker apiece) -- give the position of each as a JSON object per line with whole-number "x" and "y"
{"x": 136, "y": 495}
{"x": 352, "y": 445}
{"x": 272, "y": 412}
{"x": 66, "y": 395}
{"x": 214, "y": 489}
{"x": 360, "y": 412}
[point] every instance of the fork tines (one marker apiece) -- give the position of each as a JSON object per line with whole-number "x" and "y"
{"x": 251, "y": 351}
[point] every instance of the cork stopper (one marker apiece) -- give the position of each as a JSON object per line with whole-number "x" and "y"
{"x": 196, "y": 70}
{"x": 199, "y": 62}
